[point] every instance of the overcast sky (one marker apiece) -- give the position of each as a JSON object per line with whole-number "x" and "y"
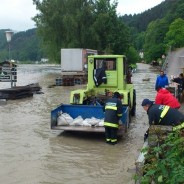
{"x": 17, "y": 14}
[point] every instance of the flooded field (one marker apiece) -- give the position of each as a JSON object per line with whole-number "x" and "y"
{"x": 33, "y": 154}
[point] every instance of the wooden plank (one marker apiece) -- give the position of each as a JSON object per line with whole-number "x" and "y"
{"x": 18, "y": 92}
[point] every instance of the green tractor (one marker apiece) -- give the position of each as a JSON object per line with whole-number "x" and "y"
{"x": 106, "y": 75}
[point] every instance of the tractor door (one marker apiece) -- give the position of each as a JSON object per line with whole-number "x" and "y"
{"x": 110, "y": 68}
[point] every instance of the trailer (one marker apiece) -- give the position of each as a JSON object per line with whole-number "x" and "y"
{"x": 86, "y": 112}
{"x": 74, "y": 65}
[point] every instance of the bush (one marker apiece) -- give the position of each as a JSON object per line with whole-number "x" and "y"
{"x": 165, "y": 163}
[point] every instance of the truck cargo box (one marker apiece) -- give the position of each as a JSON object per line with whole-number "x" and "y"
{"x": 86, "y": 111}
{"x": 75, "y": 59}
{"x": 71, "y": 60}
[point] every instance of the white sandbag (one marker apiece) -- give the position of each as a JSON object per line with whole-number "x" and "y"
{"x": 64, "y": 119}
{"x": 93, "y": 121}
{"x": 77, "y": 121}
{"x": 101, "y": 123}
{"x": 85, "y": 122}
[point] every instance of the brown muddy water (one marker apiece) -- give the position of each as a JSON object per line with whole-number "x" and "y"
{"x": 31, "y": 153}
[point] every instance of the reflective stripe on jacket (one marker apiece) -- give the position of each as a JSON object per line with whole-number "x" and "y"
{"x": 178, "y": 127}
{"x": 164, "y": 112}
{"x": 111, "y": 124}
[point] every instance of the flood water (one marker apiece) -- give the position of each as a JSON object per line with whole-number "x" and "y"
{"x": 31, "y": 153}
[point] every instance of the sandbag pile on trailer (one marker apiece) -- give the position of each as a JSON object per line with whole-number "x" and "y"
{"x": 65, "y": 119}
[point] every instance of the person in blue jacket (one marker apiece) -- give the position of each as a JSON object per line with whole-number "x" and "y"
{"x": 162, "y": 80}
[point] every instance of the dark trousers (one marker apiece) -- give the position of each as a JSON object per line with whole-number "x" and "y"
{"x": 111, "y": 135}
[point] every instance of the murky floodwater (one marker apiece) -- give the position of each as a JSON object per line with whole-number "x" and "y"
{"x": 33, "y": 154}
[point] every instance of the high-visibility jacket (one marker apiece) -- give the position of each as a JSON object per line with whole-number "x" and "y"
{"x": 113, "y": 112}
{"x": 163, "y": 115}
{"x": 164, "y": 112}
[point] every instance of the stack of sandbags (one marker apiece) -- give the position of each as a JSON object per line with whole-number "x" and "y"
{"x": 65, "y": 119}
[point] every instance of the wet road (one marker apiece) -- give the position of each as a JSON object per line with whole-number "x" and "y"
{"x": 33, "y": 154}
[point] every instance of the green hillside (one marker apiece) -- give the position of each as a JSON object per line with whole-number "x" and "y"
{"x": 96, "y": 25}
{"x": 24, "y": 46}
{"x": 157, "y": 30}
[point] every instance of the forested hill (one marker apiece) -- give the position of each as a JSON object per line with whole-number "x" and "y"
{"x": 168, "y": 8}
{"x": 158, "y": 30}
{"x": 153, "y": 31}
{"x": 24, "y": 46}
{"x": 2, "y": 38}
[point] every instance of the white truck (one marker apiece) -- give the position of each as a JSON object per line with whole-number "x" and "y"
{"x": 74, "y": 65}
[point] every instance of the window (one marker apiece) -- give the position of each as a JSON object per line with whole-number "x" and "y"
{"x": 107, "y": 63}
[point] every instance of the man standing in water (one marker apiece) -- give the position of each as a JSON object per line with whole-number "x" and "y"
{"x": 162, "y": 80}
{"x": 113, "y": 113}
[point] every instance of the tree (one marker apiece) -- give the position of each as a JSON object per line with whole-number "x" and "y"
{"x": 175, "y": 35}
{"x": 132, "y": 55}
{"x": 154, "y": 47}
{"x": 139, "y": 41}
{"x": 80, "y": 24}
